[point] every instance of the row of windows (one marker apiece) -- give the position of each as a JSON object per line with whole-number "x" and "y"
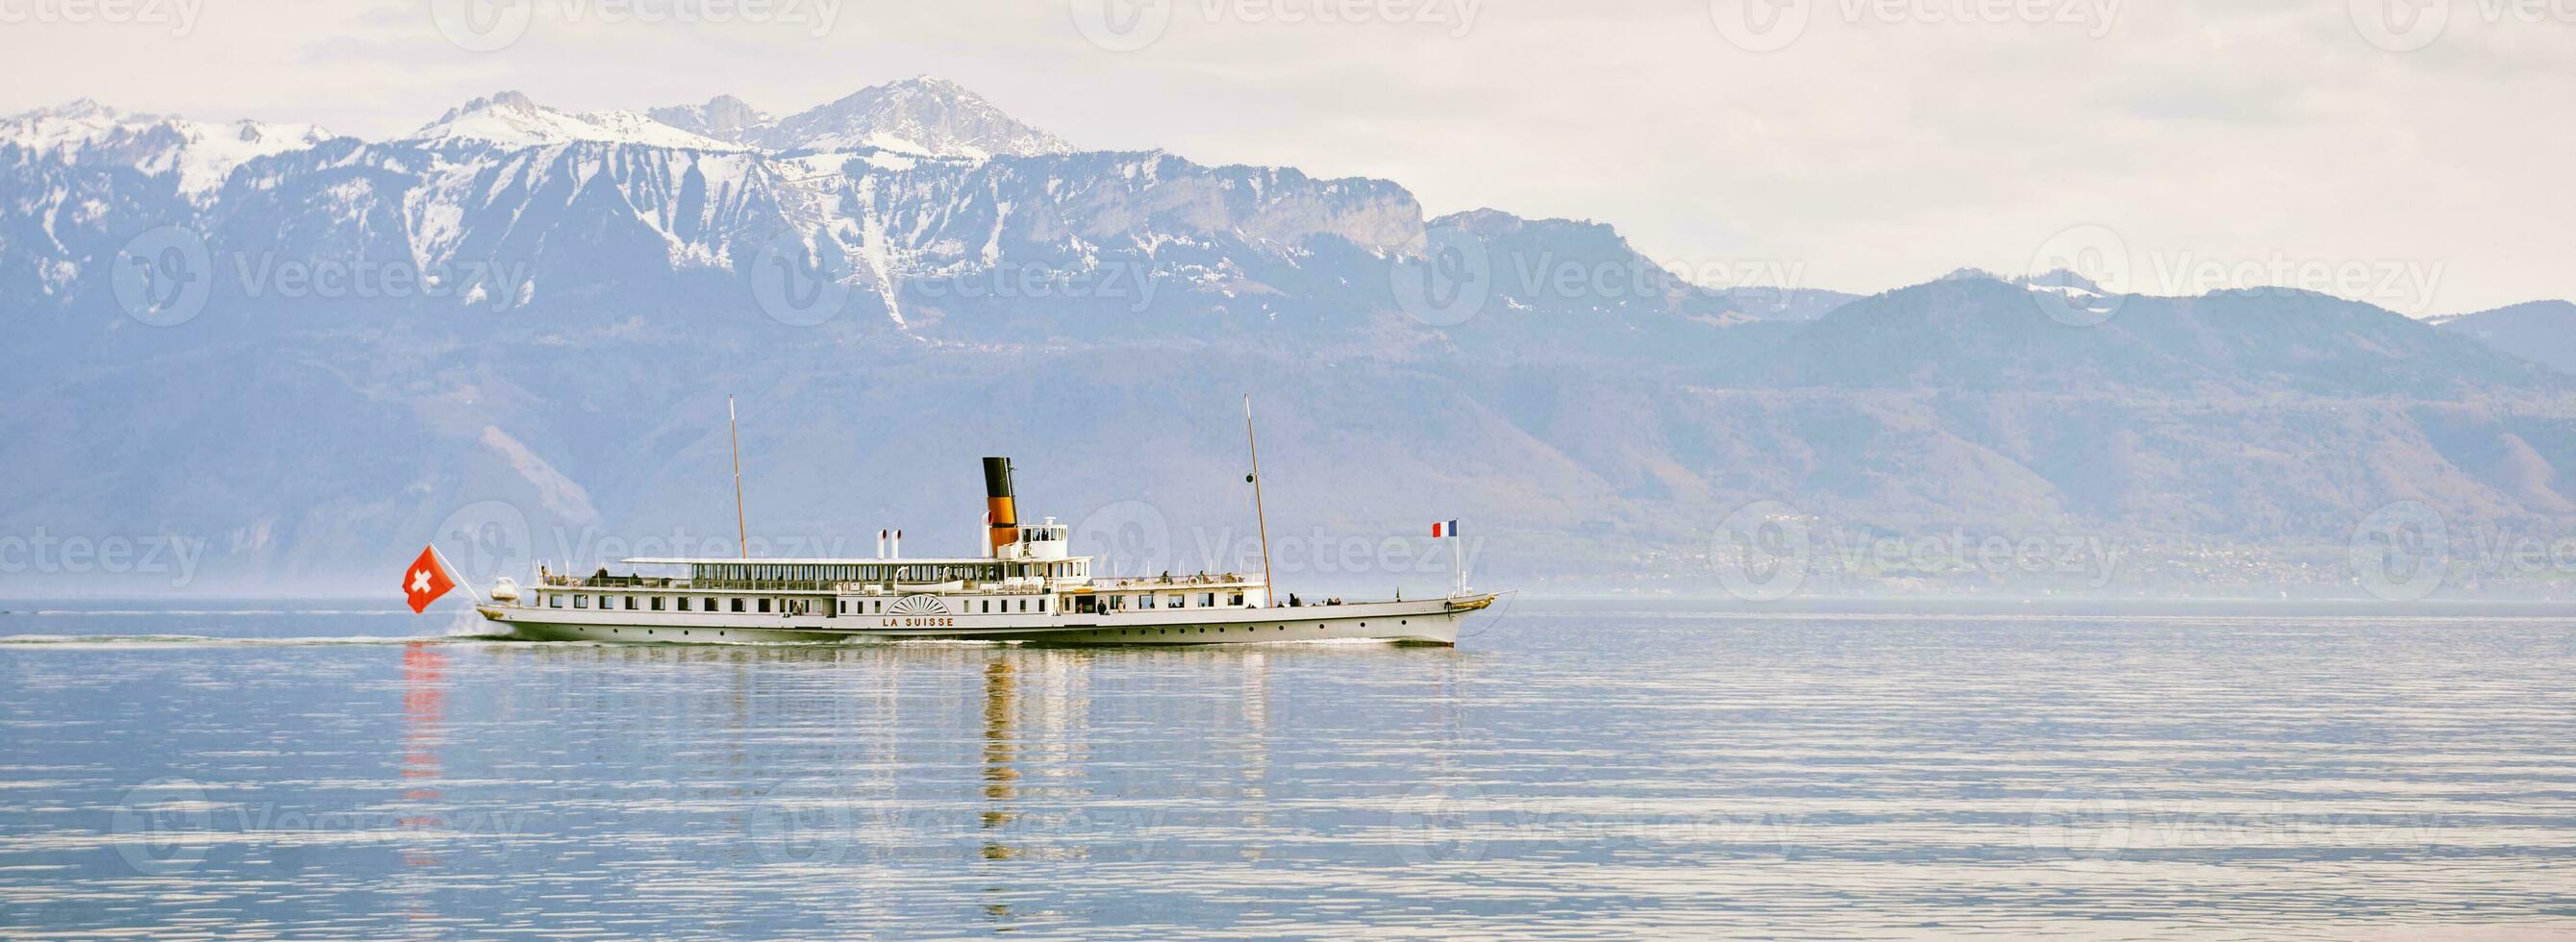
{"x": 661, "y": 603}
{"x": 884, "y": 572}
{"x": 1200, "y": 600}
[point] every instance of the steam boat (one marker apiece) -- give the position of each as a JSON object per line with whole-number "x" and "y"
{"x": 1026, "y": 588}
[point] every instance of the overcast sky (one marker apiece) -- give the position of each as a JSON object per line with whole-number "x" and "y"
{"x": 2210, "y": 142}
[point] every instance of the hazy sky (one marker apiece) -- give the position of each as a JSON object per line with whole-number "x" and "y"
{"x": 2211, "y": 142}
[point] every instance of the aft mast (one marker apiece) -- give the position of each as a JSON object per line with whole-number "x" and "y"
{"x": 1260, "y": 518}
{"x": 741, "y": 529}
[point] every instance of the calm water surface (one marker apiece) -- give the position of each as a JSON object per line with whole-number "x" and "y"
{"x": 1571, "y": 769}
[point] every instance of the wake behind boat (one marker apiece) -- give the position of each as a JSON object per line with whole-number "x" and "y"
{"x": 1027, "y": 587}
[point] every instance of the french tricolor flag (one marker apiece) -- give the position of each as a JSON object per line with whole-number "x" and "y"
{"x": 1444, "y": 530}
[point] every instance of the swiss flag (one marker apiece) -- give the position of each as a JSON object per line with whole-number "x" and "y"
{"x": 426, "y": 580}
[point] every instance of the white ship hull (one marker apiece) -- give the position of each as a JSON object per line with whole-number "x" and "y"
{"x": 1431, "y": 622}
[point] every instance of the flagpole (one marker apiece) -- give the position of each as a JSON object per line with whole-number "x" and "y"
{"x": 741, "y": 529}
{"x": 470, "y": 591}
{"x": 1458, "y": 559}
{"x": 1259, "y": 516}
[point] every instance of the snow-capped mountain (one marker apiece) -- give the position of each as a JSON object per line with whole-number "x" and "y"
{"x": 723, "y": 117}
{"x": 510, "y": 120}
{"x": 539, "y": 307}
{"x": 924, "y": 115}
{"x": 197, "y": 155}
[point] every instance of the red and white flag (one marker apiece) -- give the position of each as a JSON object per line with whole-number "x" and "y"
{"x": 426, "y": 580}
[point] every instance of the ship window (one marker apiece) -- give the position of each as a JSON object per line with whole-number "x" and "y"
{"x": 657, "y": 603}
{"x": 1235, "y": 599}
{"x": 1173, "y": 601}
{"x": 737, "y": 606}
{"x": 1024, "y": 605}
{"x": 554, "y": 601}
{"x": 764, "y": 606}
{"x": 1207, "y": 600}
{"x": 630, "y": 603}
{"x": 988, "y": 606}
{"x": 1041, "y": 605}
{"x": 581, "y": 601}
{"x": 710, "y": 606}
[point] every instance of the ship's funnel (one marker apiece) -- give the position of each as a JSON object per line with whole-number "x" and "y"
{"x": 1005, "y": 526}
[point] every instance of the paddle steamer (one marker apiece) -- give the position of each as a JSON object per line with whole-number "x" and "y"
{"x": 1027, "y": 587}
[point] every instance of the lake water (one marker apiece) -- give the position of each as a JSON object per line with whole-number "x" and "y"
{"x": 1593, "y": 768}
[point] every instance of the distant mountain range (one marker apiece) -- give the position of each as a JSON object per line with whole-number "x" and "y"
{"x": 314, "y": 352}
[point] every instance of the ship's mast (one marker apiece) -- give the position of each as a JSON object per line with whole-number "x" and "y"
{"x": 741, "y": 529}
{"x": 1260, "y": 517}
